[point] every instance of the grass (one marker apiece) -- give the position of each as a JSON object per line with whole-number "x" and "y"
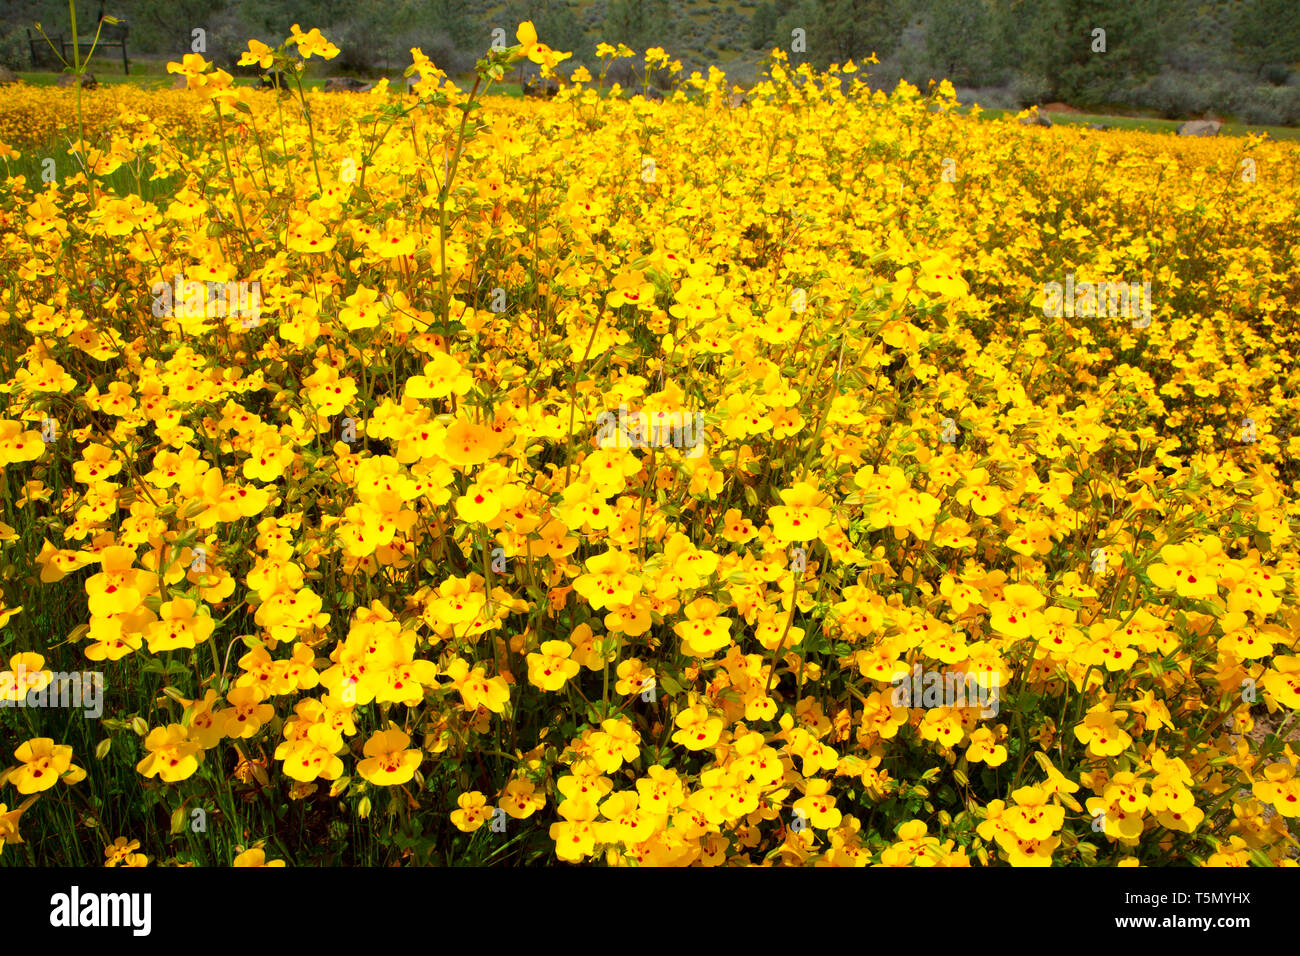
{"x": 148, "y": 79}
{"x": 1152, "y": 124}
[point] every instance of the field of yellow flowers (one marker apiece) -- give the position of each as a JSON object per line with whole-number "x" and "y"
{"x": 432, "y": 477}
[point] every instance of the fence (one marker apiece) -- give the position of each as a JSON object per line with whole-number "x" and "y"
{"x": 43, "y": 57}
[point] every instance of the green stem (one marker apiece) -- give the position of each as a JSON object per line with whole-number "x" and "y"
{"x": 789, "y": 621}
{"x": 234, "y": 191}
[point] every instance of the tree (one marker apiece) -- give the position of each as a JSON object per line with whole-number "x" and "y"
{"x": 1026, "y": 36}
{"x": 1057, "y": 41}
{"x": 762, "y": 28}
{"x": 640, "y": 24}
{"x": 162, "y": 26}
{"x": 1266, "y": 33}
{"x": 557, "y": 25}
{"x": 1132, "y": 46}
{"x": 840, "y": 30}
{"x": 959, "y": 39}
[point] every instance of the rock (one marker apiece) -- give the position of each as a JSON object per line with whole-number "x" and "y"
{"x": 1035, "y": 119}
{"x": 1098, "y": 126}
{"x": 268, "y": 80}
{"x": 347, "y": 84}
{"x": 68, "y": 80}
{"x": 737, "y": 99}
{"x": 1200, "y": 128}
{"x": 7, "y": 76}
{"x": 653, "y": 95}
{"x": 541, "y": 88}
{"x": 180, "y": 83}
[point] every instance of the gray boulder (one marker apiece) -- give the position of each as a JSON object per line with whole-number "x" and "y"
{"x": 542, "y": 88}
{"x": 1200, "y": 128}
{"x": 1037, "y": 118}
{"x": 67, "y": 80}
{"x": 7, "y": 76}
{"x": 347, "y": 84}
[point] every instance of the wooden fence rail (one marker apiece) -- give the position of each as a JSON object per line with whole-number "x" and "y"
{"x": 43, "y": 56}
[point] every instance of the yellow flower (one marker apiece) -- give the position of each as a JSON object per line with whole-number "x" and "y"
{"x": 1100, "y": 730}
{"x": 550, "y": 668}
{"x": 123, "y": 852}
{"x": 803, "y": 515}
{"x": 255, "y": 857}
{"x": 477, "y": 689}
{"x": 473, "y": 812}
{"x": 312, "y": 44}
{"x": 18, "y": 444}
{"x": 521, "y": 799}
{"x": 173, "y": 755}
{"x": 9, "y": 822}
{"x": 258, "y": 54}
{"x": 388, "y": 762}
{"x": 26, "y": 675}
{"x": 192, "y": 67}
{"x": 697, "y": 728}
{"x": 42, "y": 764}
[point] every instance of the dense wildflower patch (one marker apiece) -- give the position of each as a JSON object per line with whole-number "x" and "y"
{"x": 605, "y": 480}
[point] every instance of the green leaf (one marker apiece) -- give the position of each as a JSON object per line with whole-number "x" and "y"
{"x": 670, "y": 685}
{"x": 1260, "y": 858}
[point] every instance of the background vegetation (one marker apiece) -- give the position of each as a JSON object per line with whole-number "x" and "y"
{"x": 1171, "y": 58}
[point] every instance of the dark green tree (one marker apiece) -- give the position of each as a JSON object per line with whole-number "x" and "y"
{"x": 451, "y": 17}
{"x": 1132, "y": 46}
{"x": 840, "y": 30}
{"x": 1026, "y": 36}
{"x": 557, "y": 25}
{"x": 1057, "y": 42}
{"x": 762, "y": 28}
{"x": 959, "y": 40}
{"x": 640, "y": 24}
{"x": 161, "y": 25}
{"x": 1266, "y": 33}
